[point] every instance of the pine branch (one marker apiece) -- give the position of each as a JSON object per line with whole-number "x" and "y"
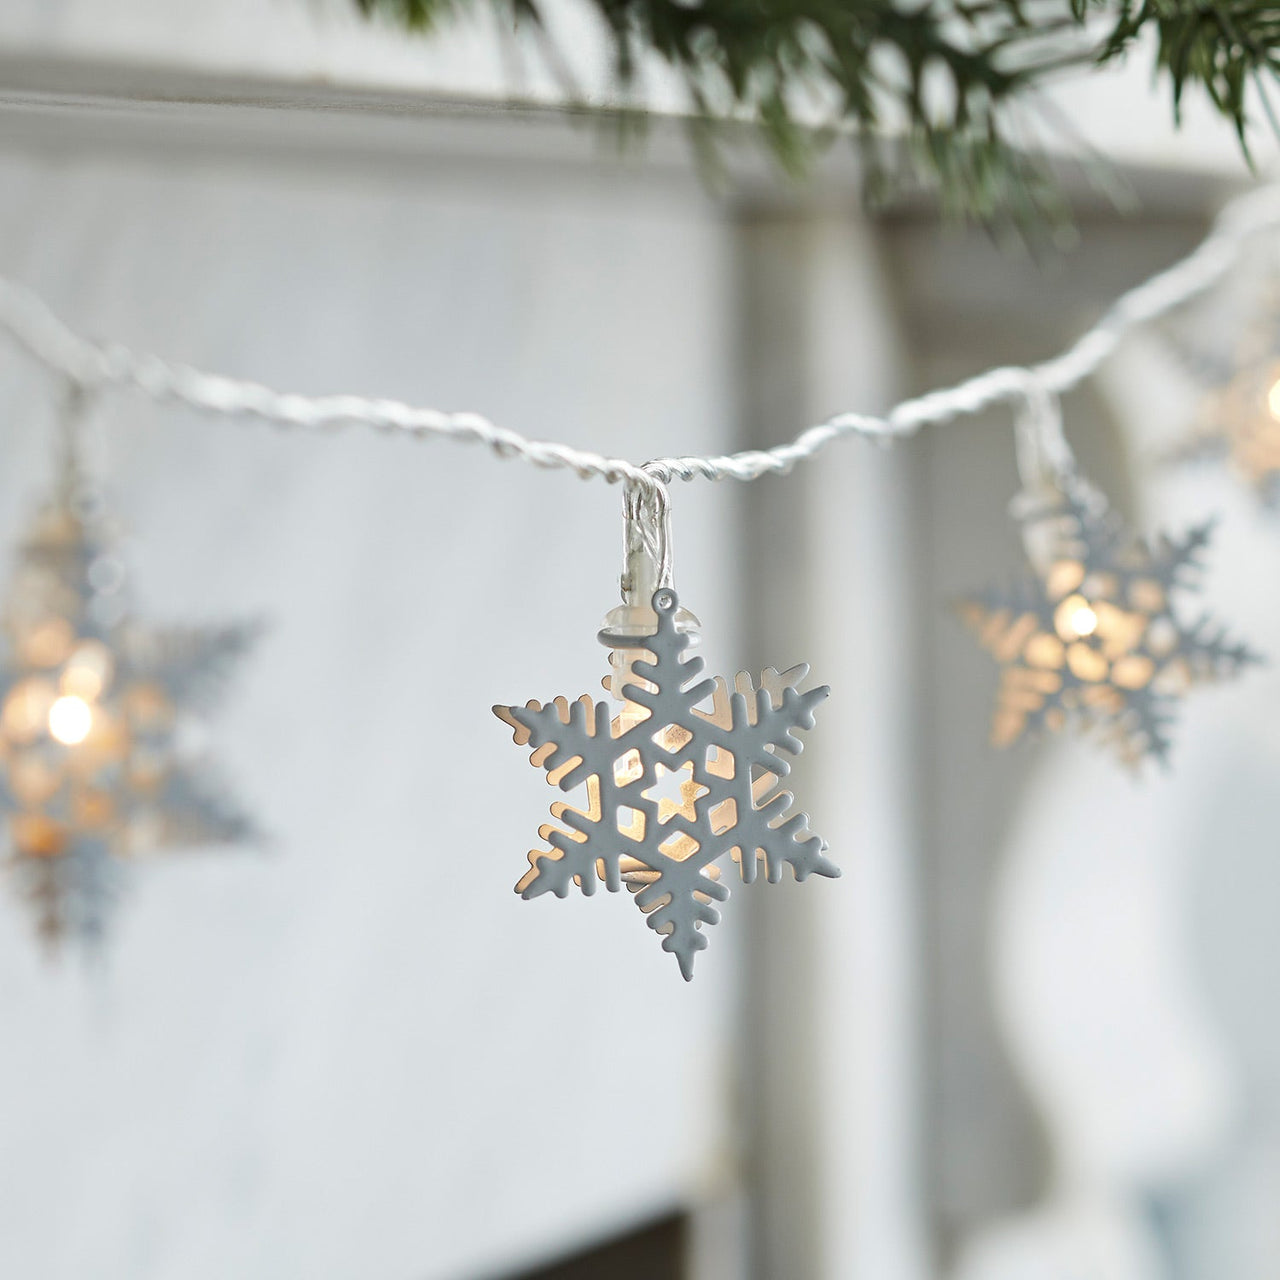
{"x": 960, "y": 75}
{"x": 1220, "y": 46}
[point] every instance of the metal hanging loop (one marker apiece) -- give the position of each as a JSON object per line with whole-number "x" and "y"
{"x": 647, "y": 556}
{"x": 647, "y": 568}
{"x": 1053, "y": 491}
{"x": 1045, "y": 460}
{"x": 76, "y": 488}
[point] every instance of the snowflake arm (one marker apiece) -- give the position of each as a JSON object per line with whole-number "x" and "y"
{"x": 1209, "y": 655}
{"x": 669, "y": 688}
{"x": 751, "y": 726}
{"x": 192, "y": 664}
{"x": 587, "y": 852}
{"x": 1141, "y": 729}
{"x": 192, "y": 808}
{"x": 758, "y": 723}
{"x": 784, "y": 841}
{"x": 70, "y": 895}
{"x": 677, "y": 903}
{"x": 569, "y": 739}
{"x": 561, "y": 733}
{"x": 1175, "y": 562}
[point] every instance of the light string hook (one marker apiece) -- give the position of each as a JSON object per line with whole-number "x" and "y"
{"x": 647, "y": 553}
{"x": 1044, "y": 459}
{"x": 646, "y": 574}
{"x": 76, "y": 486}
{"x": 1048, "y": 473}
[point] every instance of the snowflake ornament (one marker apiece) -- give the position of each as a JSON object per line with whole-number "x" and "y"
{"x": 1239, "y": 413}
{"x": 1242, "y": 420}
{"x": 673, "y": 786}
{"x": 95, "y": 711}
{"x": 1096, "y": 635}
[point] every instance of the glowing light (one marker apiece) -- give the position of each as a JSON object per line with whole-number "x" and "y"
{"x": 676, "y": 793}
{"x": 87, "y": 671}
{"x": 1075, "y": 619}
{"x": 26, "y": 709}
{"x": 1273, "y": 400}
{"x": 632, "y": 714}
{"x": 47, "y": 643}
{"x": 1084, "y": 621}
{"x": 70, "y": 719}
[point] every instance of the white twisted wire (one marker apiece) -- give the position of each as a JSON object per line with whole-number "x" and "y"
{"x": 35, "y": 327}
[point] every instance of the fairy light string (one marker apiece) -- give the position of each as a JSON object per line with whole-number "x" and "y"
{"x": 34, "y": 326}
{"x": 668, "y": 854}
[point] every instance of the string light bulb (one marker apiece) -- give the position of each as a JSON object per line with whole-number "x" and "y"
{"x": 1085, "y": 621}
{"x": 70, "y": 720}
{"x": 1079, "y": 616}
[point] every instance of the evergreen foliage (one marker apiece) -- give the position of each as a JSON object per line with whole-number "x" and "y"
{"x": 957, "y": 78}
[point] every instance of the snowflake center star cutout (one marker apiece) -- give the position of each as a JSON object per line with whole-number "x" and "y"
{"x": 665, "y": 807}
{"x": 1098, "y": 636}
{"x": 676, "y": 792}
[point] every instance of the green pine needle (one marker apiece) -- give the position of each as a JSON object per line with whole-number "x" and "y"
{"x": 960, "y": 75}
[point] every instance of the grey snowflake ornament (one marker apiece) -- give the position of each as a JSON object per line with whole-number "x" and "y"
{"x": 96, "y": 710}
{"x": 1238, "y": 418}
{"x": 1097, "y": 635}
{"x": 673, "y": 787}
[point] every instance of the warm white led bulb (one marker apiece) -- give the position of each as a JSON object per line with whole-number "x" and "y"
{"x": 70, "y": 719}
{"x": 1084, "y": 621}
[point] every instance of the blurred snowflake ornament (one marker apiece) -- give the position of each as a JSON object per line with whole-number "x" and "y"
{"x": 1239, "y": 413}
{"x": 96, "y": 710}
{"x": 1096, "y": 634}
{"x": 684, "y": 774}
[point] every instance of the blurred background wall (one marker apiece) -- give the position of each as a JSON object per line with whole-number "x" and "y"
{"x": 1023, "y": 1037}
{"x": 379, "y": 1061}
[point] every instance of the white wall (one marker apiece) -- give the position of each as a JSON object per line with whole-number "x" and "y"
{"x": 359, "y": 1054}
